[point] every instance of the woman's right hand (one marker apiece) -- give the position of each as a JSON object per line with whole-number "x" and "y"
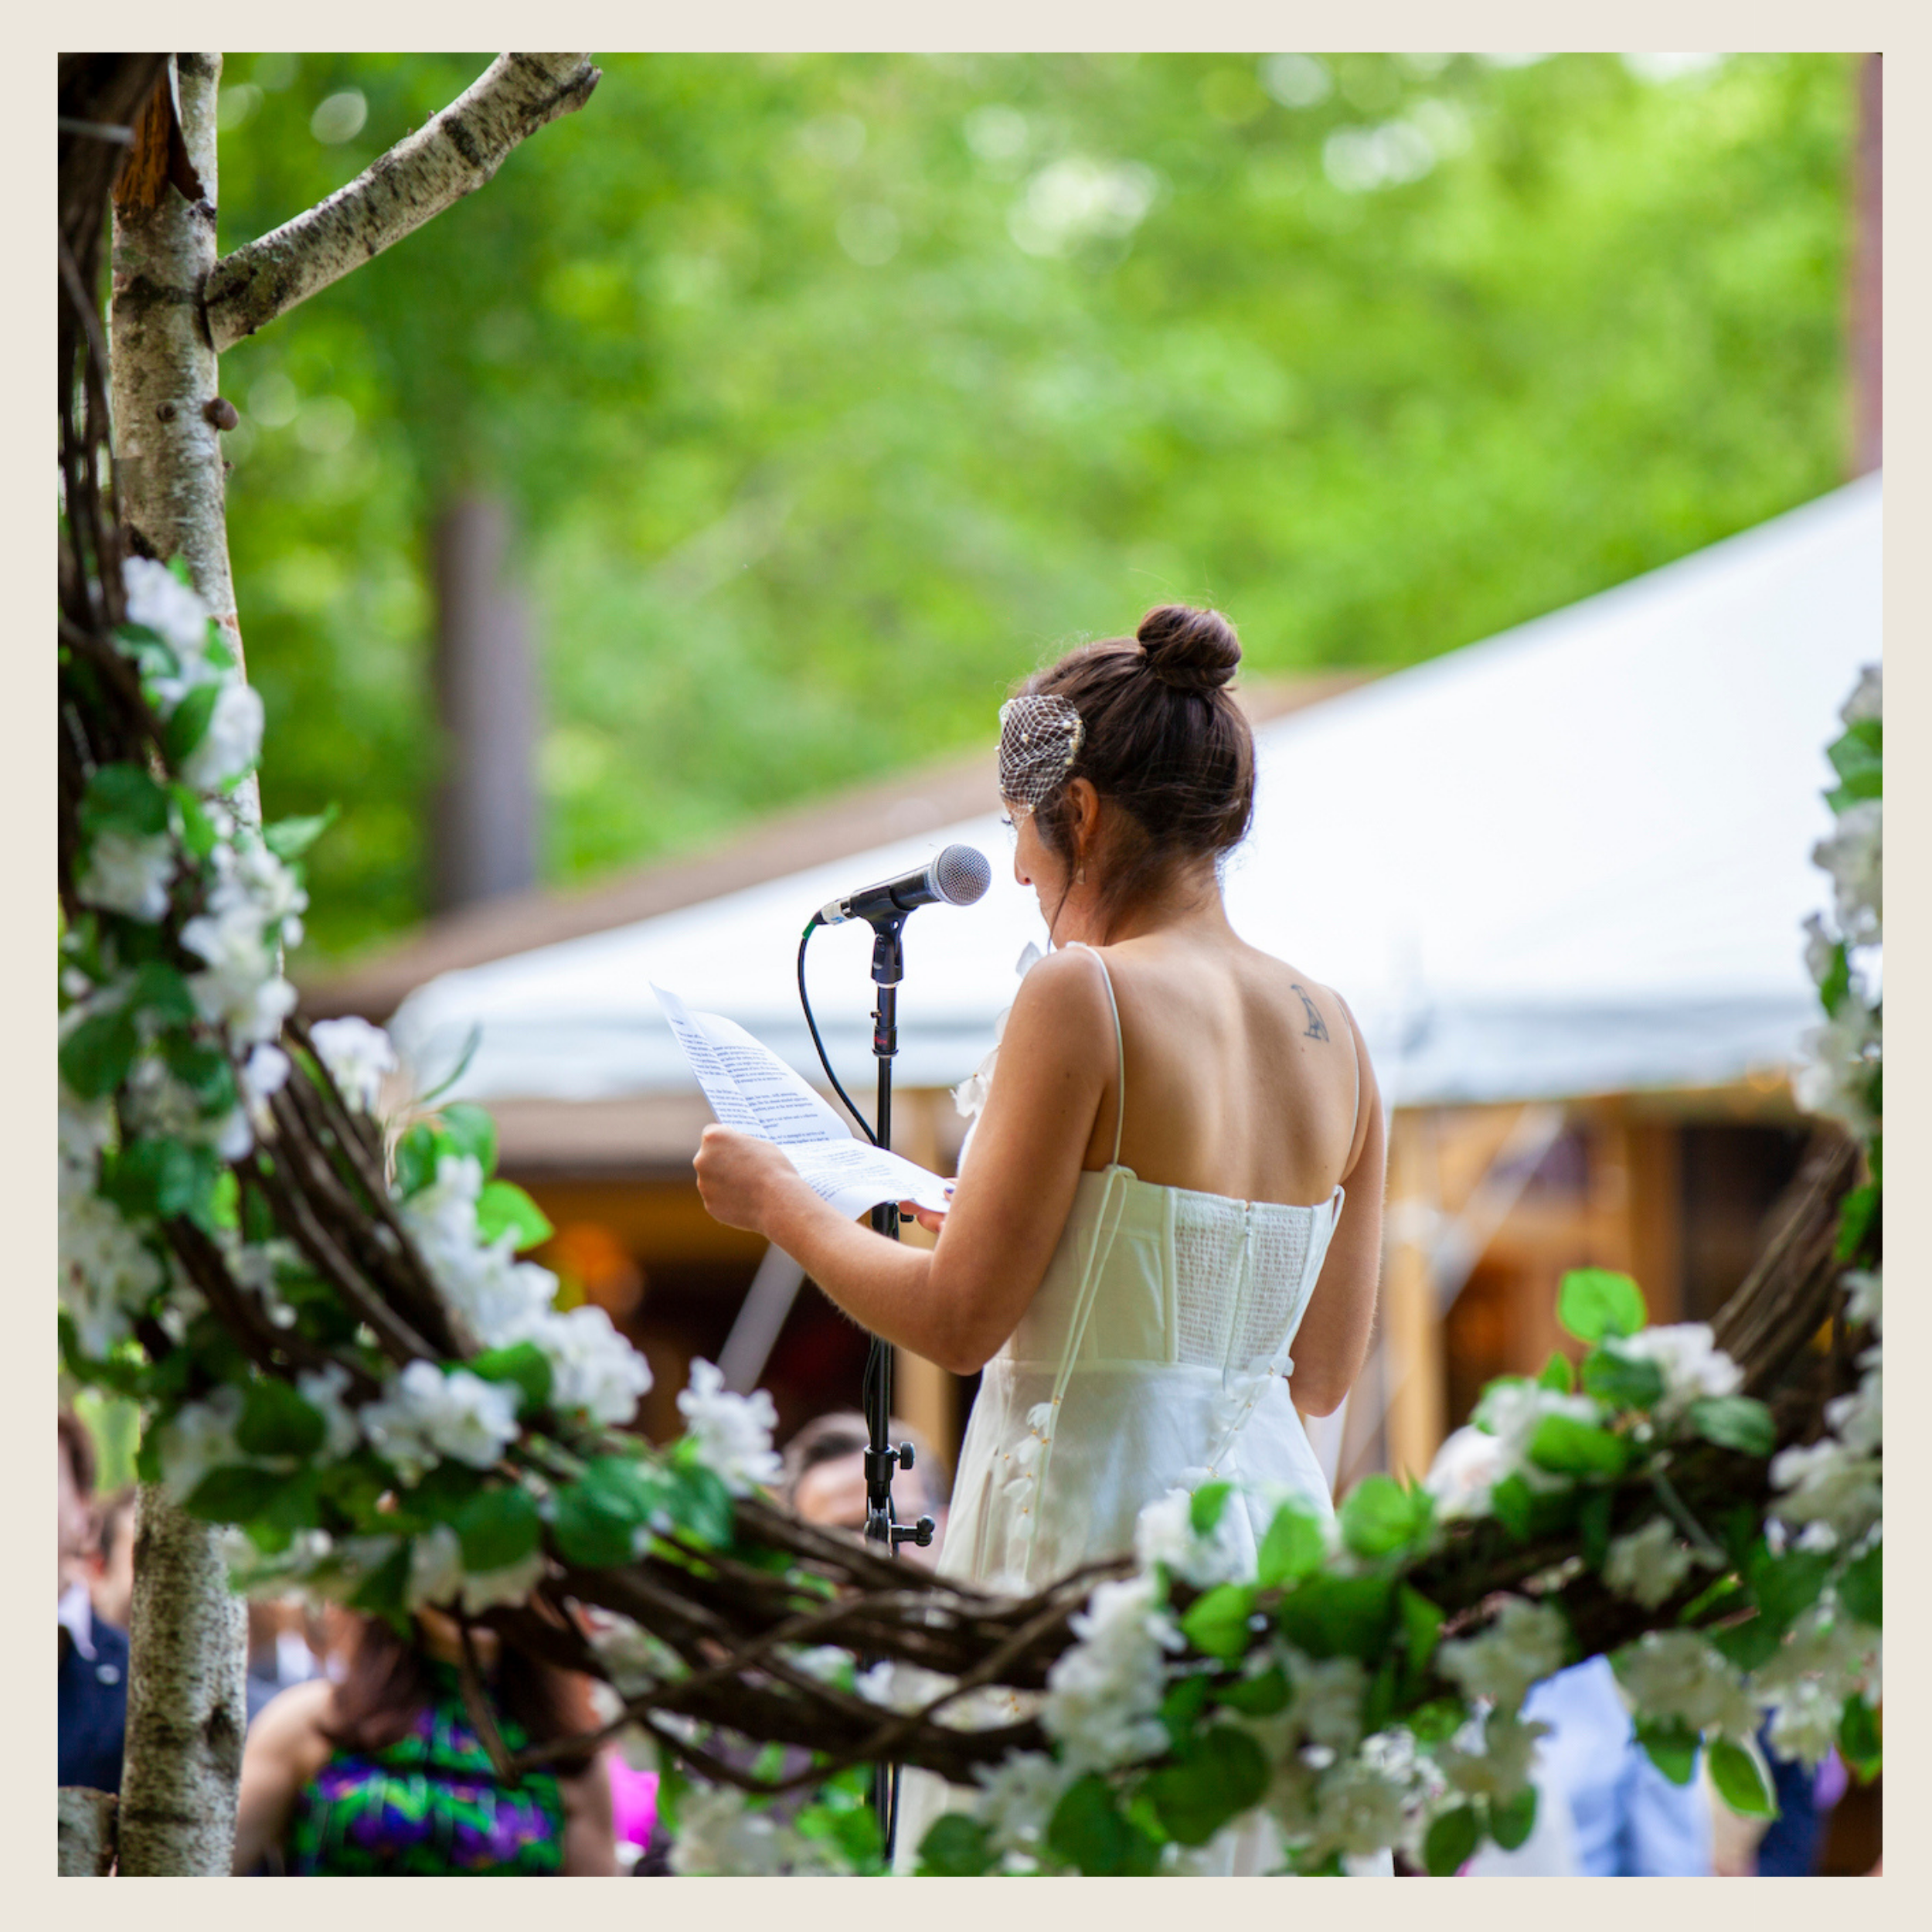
{"x": 931, "y": 1220}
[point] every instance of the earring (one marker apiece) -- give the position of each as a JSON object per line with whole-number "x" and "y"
{"x": 1079, "y": 876}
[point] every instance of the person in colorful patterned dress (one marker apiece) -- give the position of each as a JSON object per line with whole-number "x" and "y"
{"x": 384, "y": 1775}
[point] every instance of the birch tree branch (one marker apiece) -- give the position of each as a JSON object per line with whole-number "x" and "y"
{"x": 450, "y": 156}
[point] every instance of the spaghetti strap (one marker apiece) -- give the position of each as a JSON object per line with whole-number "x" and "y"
{"x": 1119, "y": 1049}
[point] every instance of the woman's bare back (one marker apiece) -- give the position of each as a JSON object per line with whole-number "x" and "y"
{"x": 1242, "y": 1073}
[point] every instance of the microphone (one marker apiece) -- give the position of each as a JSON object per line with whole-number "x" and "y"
{"x": 958, "y": 876}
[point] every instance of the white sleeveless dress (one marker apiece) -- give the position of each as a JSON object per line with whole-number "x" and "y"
{"x": 1154, "y": 1356}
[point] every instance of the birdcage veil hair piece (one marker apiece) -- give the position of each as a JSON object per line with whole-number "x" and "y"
{"x": 1039, "y": 738}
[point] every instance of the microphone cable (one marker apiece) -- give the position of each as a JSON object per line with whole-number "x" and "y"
{"x": 804, "y": 1000}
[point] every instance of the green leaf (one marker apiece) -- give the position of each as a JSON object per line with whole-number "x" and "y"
{"x": 206, "y": 1071}
{"x": 1735, "y": 1422}
{"x": 1568, "y": 1447}
{"x": 161, "y": 1178}
{"x": 599, "y": 1515}
{"x": 1337, "y": 1616}
{"x": 416, "y": 1159}
{"x": 1421, "y": 1625}
{"x": 381, "y": 1591}
{"x": 523, "y": 1363}
{"x": 1748, "y": 1645}
{"x": 1740, "y": 1781}
{"x": 288, "y": 839}
{"x": 1625, "y": 1381}
{"x": 159, "y": 989}
{"x": 1511, "y": 1825}
{"x": 1513, "y": 1503}
{"x": 1861, "y": 1589}
{"x": 1856, "y": 1214}
{"x": 96, "y": 1056}
{"x": 700, "y": 1503}
{"x": 471, "y": 1129}
{"x": 1857, "y": 1739}
{"x": 1558, "y": 1373}
{"x": 1209, "y": 1503}
{"x": 1594, "y": 1302}
{"x": 124, "y": 798}
{"x": 1088, "y": 1832}
{"x": 1452, "y": 1841}
{"x": 1181, "y": 1708}
{"x": 1381, "y": 1517}
{"x": 235, "y": 1494}
{"x": 1672, "y": 1747}
{"x": 503, "y": 1205}
{"x": 1222, "y": 1775}
{"x": 1294, "y": 1547}
{"x": 293, "y": 1508}
{"x": 1265, "y": 1695}
{"x": 192, "y": 825}
{"x": 276, "y": 1421}
{"x": 1593, "y": 1528}
{"x": 1787, "y": 1586}
{"x": 189, "y": 725}
{"x": 956, "y": 1847}
{"x": 1216, "y": 1623}
{"x": 496, "y": 1527}
{"x": 1837, "y": 982}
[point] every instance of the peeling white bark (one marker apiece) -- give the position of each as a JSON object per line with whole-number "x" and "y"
{"x": 186, "y": 1709}
{"x": 87, "y": 1832}
{"x": 450, "y": 156}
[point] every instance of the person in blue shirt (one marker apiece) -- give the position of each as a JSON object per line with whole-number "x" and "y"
{"x": 93, "y": 1655}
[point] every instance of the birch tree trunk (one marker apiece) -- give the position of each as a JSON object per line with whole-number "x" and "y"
{"x": 187, "y": 1713}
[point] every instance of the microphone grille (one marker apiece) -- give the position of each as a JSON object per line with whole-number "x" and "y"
{"x": 960, "y": 875}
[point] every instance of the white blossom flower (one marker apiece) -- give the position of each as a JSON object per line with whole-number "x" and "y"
{"x": 1834, "y": 1076}
{"x": 128, "y": 873}
{"x": 232, "y": 743}
{"x": 264, "y": 1073}
{"x": 1467, "y": 1468}
{"x": 1102, "y": 1694}
{"x": 717, "y": 1833}
{"x": 1674, "y": 1674}
{"x": 1692, "y": 1365}
{"x": 436, "y": 1567}
{"x": 1858, "y": 1419}
{"x": 632, "y": 1657}
{"x": 241, "y": 987}
{"x": 424, "y": 1414}
{"x": 357, "y": 1056}
{"x": 1491, "y": 1757}
{"x": 594, "y": 1371}
{"x": 322, "y": 1389}
{"x": 483, "y": 1589}
{"x": 1649, "y": 1563}
{"x": 1864, "y": 1297}
{"x": 108, "y": 1274}
{"x": 1867, "y": 700}
{"x": 1513, "y": 1412}
{"x": 85, "y": 1128}
{"x": 1164, "y": 1532}
{"x": 1824, "y": 1658}
{"x": 200, "y": 1437}
{"x": 1359, "y": 1810}
{"x": 1328, "y": 1697}
{"x": 173, "y": 611}
{"x": 1017, "y": 1797}
{"x": 732, "y": 1432}
{"x": 1827, "y": 1482}
{"x": 1854, "y": 856}
{"x": 1522, "y": 1645}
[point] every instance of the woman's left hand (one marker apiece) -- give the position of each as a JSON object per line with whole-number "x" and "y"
{"x": 737, "y": 1175}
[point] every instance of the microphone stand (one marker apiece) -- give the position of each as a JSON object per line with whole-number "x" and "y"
{"x": 883, "y": 1459}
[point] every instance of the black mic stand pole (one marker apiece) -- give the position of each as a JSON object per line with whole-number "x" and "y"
{"x": 882, "y": 1461}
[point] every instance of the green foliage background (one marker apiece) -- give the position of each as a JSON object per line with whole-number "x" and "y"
{"x": 831, "y": 390}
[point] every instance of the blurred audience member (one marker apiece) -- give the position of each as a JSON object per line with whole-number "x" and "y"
{"x": 823, "y": 1478}
{"x": 94, "y": 1654}
{"x": 111, "y": 1578}
{"x": 384, "y": 1773}
{"x": 1605, "y": 1810}
{"x": 279, "y": 1653}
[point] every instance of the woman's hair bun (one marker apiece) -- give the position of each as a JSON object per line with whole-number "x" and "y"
{"x": 1191, "y": 650}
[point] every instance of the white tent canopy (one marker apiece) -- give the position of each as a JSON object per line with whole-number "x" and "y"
{"x": 1571, "y": 860}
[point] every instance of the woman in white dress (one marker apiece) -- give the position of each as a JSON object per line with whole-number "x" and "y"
{"x": 1177, "y": 1175}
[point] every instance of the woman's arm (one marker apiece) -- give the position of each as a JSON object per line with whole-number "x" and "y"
{"x": 1333, "y": 1342}
{"x": 285, "y": 1748}
{"x": 590, "y": 1835}
{"x": 958, "y": 1302}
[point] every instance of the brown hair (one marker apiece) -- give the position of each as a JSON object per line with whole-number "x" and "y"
{"x": 1164, "y": 739}
{"x": 845, "y": 1432}
{"x": 385, "y": 1687}
{"x": 78, "y": 1441}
